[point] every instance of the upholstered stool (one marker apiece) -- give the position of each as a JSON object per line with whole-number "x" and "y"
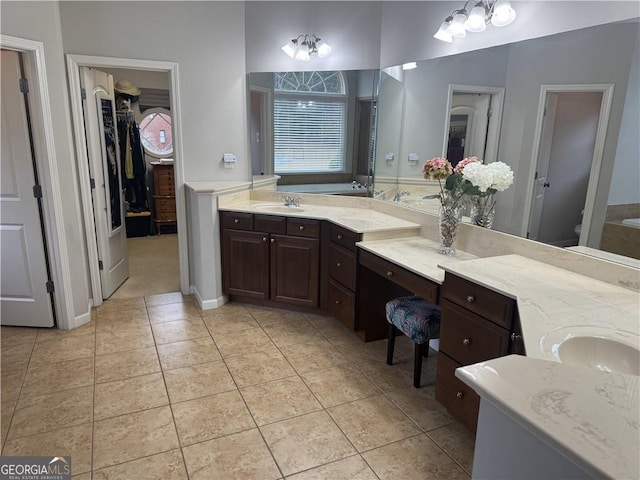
{"x": 417, "y": 319}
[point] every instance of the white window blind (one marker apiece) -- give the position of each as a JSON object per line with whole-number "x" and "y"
{"x": 309, "y": 135}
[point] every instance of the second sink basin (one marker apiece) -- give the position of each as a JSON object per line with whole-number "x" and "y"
{"x": 278, "y": 207}
{"x": 601, "y": 353}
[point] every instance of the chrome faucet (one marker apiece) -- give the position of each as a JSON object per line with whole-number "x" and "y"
{"x": 399, "y": 195}
{"x": 291, "y": 201}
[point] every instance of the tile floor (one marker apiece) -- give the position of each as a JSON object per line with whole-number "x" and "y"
{"x": 154, "y": 388}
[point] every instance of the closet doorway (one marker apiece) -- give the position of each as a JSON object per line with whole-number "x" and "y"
{"x": 147, "y": 110}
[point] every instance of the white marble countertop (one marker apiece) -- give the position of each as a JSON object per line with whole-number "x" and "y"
{"x": 217, "y": 187}
{"x": 360, "y": 220}
{"x": 592, "y": 417}
{"x": 416, "y": 254}
{"x": 554, "y": 303}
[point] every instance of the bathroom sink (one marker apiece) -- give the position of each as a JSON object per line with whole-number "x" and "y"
{"x": 597, "y": 347}
{"x": 602, "y": 353}
{"x": 278, "y": 207}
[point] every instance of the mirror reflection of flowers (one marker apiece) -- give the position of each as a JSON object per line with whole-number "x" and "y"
{"x": 487, "y": 180}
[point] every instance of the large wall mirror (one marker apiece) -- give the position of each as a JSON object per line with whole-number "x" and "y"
{"x": 491, "y": 102}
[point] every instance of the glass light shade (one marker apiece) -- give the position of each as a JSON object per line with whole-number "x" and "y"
{"x": 503, "y": 14}
{"x": 289, "y": 48}
{"x": 457, "y": 28}
{"x": 324, "y": 48}
{"x": 443, "y": 33}
{"x": 409, "y": 66}
{"x": 303, "y": 53}
{"x": 475, "y": 22}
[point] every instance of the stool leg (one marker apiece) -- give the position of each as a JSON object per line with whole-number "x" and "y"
{"x": 417, "y": 365}
{"x": 391, "y": 343}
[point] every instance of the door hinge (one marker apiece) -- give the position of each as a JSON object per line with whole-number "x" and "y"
{"x": 536, "y": 176}
{"x": 92, "y": 183}
{"x": 50, "y": 288}
{"x": 37, "y": 191}
{"x": 83, "y": 94}
{"x": 100, "y": 265}
{"x": 527, "y": 234}
{"x": 24, "y": 85}
{"x": 544, "y": 113}
{"x": 489, "y": 113}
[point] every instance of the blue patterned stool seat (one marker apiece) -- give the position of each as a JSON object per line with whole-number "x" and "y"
{"x": 414, "y": 317}
{"x": 417, "y": 319}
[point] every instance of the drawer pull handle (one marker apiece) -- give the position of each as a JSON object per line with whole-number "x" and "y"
{"x": 471, "y": 298}
{"x": 337, "y": 302}
{"x": 236, "y": 220}
{"x": 264, "y": 239}
{"x": 389, "y": 273}
{"x": 273, "y": 240}
{"x": 460, "y": 394}
{"x": 301, "y": 227}
{"x": 466, "y": 342}
{"x": 338, "y": 264}
{"x": 339, "y": 236}
{"x": 515, "y": 336}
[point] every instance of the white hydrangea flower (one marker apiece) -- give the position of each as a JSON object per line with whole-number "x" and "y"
{"x": 502, "y": 175}
{"x": 479, "y": 175}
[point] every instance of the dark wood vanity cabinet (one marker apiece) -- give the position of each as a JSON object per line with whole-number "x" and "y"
{"x": 270, "y": 258}
{"x": 342, "y": 272}
{"x": 478, "y": 324}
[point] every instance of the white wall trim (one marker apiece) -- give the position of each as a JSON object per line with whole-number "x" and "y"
{"x": 495, "y": 124}
{"x": 74, "y": 62}
{"x": 207, "y": 304}
{"x": 84, "y": 318}
{"x": 594, "y": 176}
{"x": 48, "y": 170}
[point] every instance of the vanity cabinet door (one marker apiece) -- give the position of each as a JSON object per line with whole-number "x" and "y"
{"x": 295, "y": 270}
{"x": 245, "y": 263}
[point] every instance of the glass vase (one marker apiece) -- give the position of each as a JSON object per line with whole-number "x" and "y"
{"x": 483, "y": 210}
{"x": 450, "y": 218}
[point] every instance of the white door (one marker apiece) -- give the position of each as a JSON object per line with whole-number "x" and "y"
{"x": 544, "y": 154}
{"x": 104, "y": 167}
{"x": 24, "y": 299}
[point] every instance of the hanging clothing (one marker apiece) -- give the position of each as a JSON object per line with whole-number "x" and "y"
{"x": 133, "y": 165}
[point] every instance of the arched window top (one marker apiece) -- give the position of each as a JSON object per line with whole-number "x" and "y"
{"x": 327, "y": 83}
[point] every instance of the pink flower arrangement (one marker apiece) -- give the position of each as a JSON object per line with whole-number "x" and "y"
{"x": 437, "y": 169}
{"x": 463, "y": 163}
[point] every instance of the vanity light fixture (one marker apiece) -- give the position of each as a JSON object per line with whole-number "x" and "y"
{"x": 409, "y": 66}
{"x": 499, "y": 13}
{"x": 306, "y": 45}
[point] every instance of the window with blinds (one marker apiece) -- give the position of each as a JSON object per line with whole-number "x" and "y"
{"x": 309, "y": 122}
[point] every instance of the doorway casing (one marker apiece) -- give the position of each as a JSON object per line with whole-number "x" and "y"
{"x": 74, "y": 62}
{"x": 594, "y": 175}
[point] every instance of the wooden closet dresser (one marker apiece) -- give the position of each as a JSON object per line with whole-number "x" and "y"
{"x": 164, "y": 196}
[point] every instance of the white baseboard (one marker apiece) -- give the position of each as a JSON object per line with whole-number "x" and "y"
{"x": 80, "y": 320}
{"x": 210, "y": 303}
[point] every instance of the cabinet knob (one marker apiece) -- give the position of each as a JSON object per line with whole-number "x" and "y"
{"x": 264, "y": 239}
{"x": 460, "y": 394}
{"x": 471, "y": 298}
{"x": 515, "y": 336}
{"x": 337, "y": 302}
{"x": 339, "y": 236}
{"x": 466, "y": 341}
{"x": 389, "y": 273}
{"x": 273, "y": 240}
{"x": 236, "y": 220}
{"x": 301, "y": 227}
{"x": 338, "y": 264}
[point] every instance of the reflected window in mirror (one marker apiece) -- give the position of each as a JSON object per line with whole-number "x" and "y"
{"x": 309, "y": 122}
{"x": 155, "y": 132}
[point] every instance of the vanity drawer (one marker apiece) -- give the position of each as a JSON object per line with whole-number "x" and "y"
{"x": 270, "y": 224}
{"x": 486, "y": 303}
{"x": 237, "y": 220}
{"x": 343, "y": 237}
{"x": 468, "y": 338}
{"x": 342, "y": 266}
{"x": 414, "y": 283}
{"x": 341, "y": 304}
{"x": 302, "y": 227}
{"x": 461, "y": 400}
